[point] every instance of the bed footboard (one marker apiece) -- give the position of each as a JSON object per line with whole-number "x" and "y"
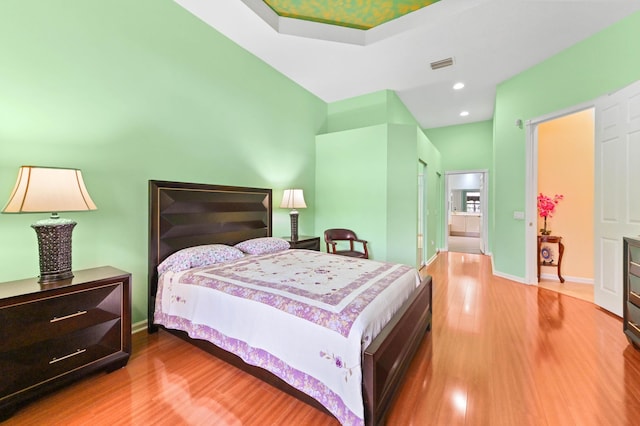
{"x": 388, "y": 356}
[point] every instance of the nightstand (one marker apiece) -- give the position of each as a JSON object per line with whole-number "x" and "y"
{"x": 304, "y": 242}
{"x": 59, "y": 332}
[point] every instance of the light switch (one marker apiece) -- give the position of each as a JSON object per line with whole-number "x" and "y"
{"x": 518, "y": 215}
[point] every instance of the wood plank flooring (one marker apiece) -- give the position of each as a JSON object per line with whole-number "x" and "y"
{"x": 464, "y": 244}
{"x": 579, "y": 290}
{"x": 500, "y": 353}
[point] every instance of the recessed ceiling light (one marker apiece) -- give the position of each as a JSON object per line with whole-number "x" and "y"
{"x": 464, "y": 113}
{"x": 458, "y": 86}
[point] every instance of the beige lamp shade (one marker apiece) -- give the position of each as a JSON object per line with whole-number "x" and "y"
{"x": 293, "y": 199}
{"x": 52, "y": 190}
{"x": 43, "y": 189}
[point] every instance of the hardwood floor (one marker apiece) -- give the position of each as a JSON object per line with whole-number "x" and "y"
{"x": 500, "y": 353}
{"x": 464, "y": 244}
{"x": 579, "y": 290}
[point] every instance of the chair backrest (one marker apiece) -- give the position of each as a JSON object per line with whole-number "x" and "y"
{"x": 339, "y": 234}
{"x": 342, "y": 234}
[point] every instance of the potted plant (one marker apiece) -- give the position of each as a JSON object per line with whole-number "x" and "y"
{"x": 546, "y": 208}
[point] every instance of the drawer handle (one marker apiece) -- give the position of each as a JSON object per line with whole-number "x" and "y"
{"x": 633, "y": 293}
{"x": 78, "y": 352}
{"x": 56, "y": 319}
{"x": 635, "y": 327}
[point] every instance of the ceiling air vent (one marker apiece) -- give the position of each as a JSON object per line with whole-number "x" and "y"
{"x": 443, "y": 63}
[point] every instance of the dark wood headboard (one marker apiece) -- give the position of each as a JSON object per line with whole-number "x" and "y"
{"x": 189, "y": 214}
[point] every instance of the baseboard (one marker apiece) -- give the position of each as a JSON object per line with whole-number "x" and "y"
{"x": 577, "y": 280}
{"x": 139, "y": 326}
{"x": 510, "y": 277}
{"x": 464, "y": 234}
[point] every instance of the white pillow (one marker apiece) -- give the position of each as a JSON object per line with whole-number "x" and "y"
{"x": 263, "y": 245}
{"x": 194, "y": 257}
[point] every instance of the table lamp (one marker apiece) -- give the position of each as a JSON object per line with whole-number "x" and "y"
{"x": 46, "y": 189}
{"x": 293, "y": 199}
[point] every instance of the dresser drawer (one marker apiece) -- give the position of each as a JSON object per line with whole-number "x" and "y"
{"x": 53, "y": 317}
{"x": 634, "y": 253}
{"x": 634, "y": 289}
{"x": 51, "y": 358}
{"x": 54, "y": 334}
{"x": 633, "y": 319}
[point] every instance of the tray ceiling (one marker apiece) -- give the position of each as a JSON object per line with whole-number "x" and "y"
{"x": 361, "y": 14}
{"x": 490, "y": 41}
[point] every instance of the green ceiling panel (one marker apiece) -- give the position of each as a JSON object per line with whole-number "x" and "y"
{"x": 360, "y": 14}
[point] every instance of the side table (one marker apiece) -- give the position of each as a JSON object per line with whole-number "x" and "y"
{"x": 304, "y": 242}
{"x": 552, "y": 239}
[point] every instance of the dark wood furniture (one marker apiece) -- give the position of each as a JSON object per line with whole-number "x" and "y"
{"x": 59, "y": 332}
{"x": 304, "y": 242}
{"x": 332, "y": 237}
{"x": 186, "y": 214}
{"x": 631, "y": 308}
{"x": 541, "y": 262}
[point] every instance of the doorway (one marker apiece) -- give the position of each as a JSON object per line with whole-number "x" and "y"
{"x": 566, "y": 170}
{"x": 546, "y": 178}
{"x": 616, "y": 210}
{"x": 466, "y": 207}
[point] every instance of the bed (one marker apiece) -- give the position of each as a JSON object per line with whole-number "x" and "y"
{"x": 183, "y": 215}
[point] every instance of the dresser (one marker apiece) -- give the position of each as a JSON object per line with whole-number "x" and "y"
{"x": 304, "y": 242}
{"x": 53, "y": 334}
{"x": 631, "y": 290}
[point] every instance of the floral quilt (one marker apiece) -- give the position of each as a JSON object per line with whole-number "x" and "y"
{"x": 305, "y": 316}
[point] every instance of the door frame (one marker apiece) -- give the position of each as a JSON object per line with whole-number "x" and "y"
{"x": 531, "y": 191}
{"x": 484, "y": 207}
{"x": 423, "y": 210}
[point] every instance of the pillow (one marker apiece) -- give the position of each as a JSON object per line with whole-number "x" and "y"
{"x": 263, "y": 245}
{"x": 194, "y": 257}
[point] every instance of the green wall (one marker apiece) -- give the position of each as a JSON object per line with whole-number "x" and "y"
{"x": 351, "y": 184}
{"x": 402, "y": 194}
{"x": 368, "y": 110}
{"x": 465, "y": 146}
{"x": 359, "y": 112}
{"x": 366, "y": 180}
{"x": 429, "y": 155}
{"x": 366, "y": 174}
{"x": 131, "y": 91}
{"x": 601, "y": 64}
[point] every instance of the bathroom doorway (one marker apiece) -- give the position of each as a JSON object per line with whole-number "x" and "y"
{"x": 466, "y": 201}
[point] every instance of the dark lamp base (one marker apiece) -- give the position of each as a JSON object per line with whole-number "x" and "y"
{"x": 294, "y": 225}
{"x": 54, "y": 247}
{"x": 46, "y": 278}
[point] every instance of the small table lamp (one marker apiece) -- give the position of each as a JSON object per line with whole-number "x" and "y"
{"x": 293, "y": 199}
{"x": 44, "y": 189}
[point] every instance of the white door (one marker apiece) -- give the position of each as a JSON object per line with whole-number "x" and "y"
{"x": 617, "y": 190}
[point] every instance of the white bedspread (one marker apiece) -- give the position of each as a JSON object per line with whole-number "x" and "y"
{"x": 305, "y": 316}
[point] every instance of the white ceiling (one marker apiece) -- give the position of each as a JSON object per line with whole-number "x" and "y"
{"x": 490, "y": 41}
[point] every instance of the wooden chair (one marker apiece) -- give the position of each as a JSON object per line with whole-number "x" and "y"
{"x": 333, "y": 236}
